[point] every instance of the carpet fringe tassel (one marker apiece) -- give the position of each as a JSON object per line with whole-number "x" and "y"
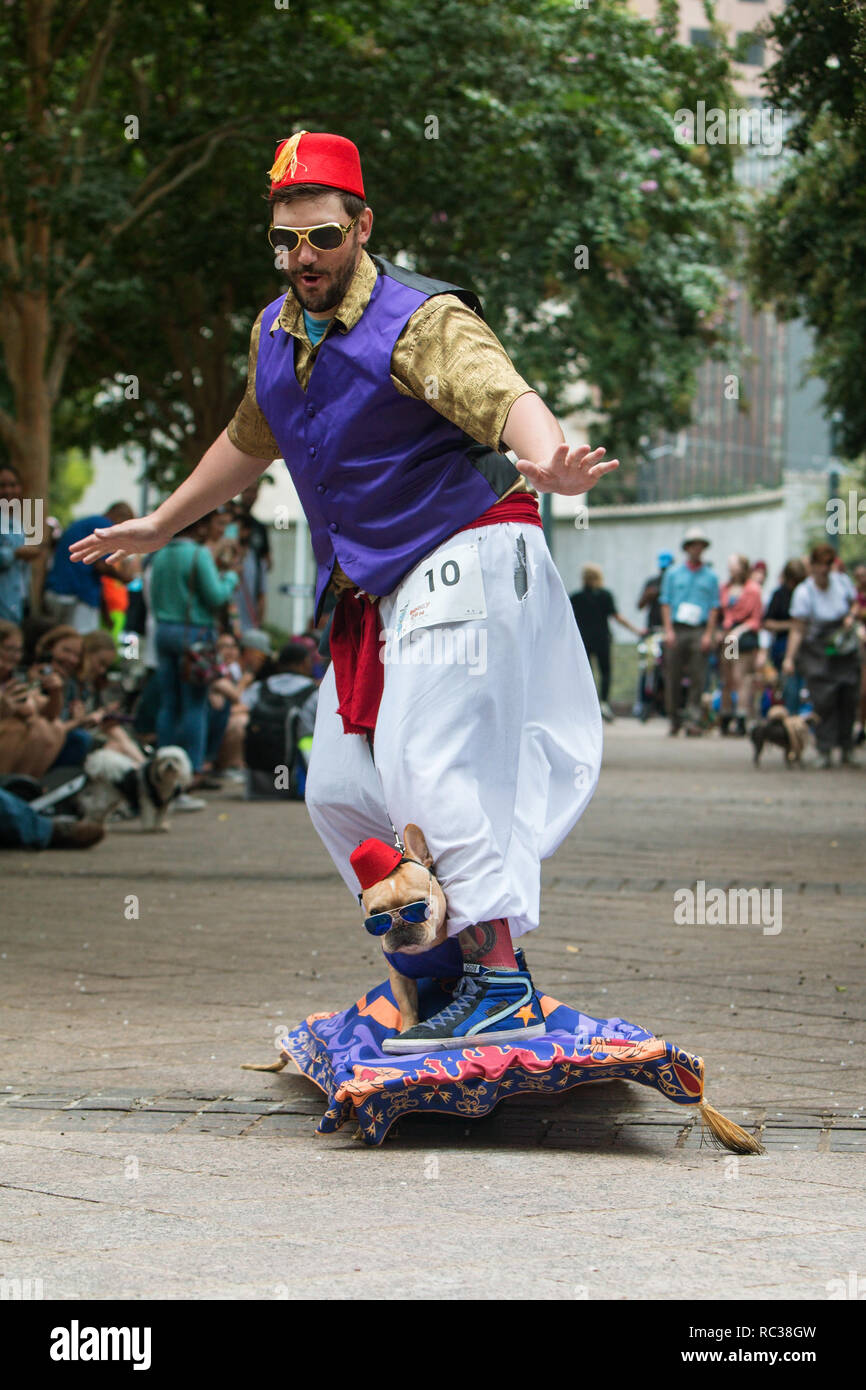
{"x": 264, "y": 1066}
{"x": 724, "y": 1134}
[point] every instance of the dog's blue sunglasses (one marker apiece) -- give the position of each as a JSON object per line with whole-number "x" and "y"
{"x": 381, "y": 922}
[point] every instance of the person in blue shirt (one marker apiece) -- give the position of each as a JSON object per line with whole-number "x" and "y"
{"x": 73, "y": 593}
{"x": 690, "y": 608}
{"x": 16, "y": 555}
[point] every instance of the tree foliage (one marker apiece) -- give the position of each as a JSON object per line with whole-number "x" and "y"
{"x": 808, "y": 247}
{"x": 497, "y": 140}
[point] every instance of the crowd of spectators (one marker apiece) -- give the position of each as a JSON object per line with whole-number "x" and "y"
{"x": 135, "y": 657}
{"x": 720, "y": 655}
{"x": 174, "y": 651}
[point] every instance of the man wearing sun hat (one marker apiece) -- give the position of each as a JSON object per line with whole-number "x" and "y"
{"x": 459, "y": 694}
{"x": 690, "y": 601}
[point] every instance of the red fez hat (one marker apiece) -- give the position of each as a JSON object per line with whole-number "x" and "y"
{"x": 374, "y": 860}
{"x": 314, "y": 157}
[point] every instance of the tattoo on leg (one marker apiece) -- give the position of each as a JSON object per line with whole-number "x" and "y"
{"x": 477, "y": 941}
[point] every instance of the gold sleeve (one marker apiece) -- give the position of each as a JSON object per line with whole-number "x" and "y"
{"x": 248, "y": 429}
{"x": 449, "y": 357}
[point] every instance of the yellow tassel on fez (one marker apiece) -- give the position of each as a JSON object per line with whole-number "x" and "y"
{"x": 286, "y": 161}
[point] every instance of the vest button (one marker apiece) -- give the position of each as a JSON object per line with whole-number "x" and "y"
{"x": 333, "y": 526}
{"x": 311, "y": 410}
{"x": 320, "y": 487}
{"x": 313, "y": 451}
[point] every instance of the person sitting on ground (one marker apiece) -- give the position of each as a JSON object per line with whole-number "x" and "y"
{"x": 34, "y": 738}
{"x": 255, "y": 647}
{"x": 23, "y": 828}
{"x": 593, "y": 607}
{"x": 255, "y": 654}
{"x": 96, "y": 700}
{"x": 29, "y": 742}
{"x": 223, "y": 694}
{"x": 58, "y": 653}
{"x": 55, "y": 716}
{"x": 44, "y": 722}
{"x": 11, "y": 650}
{"x": 293, "y": 671}
{"x": 282, "y": 708}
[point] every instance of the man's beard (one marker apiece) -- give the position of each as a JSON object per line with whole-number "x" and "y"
{"x": 328, "y": 293}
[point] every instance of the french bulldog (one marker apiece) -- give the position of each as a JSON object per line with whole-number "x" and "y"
{"x": 398, "y": 877}
{"x": 412, "y": 881}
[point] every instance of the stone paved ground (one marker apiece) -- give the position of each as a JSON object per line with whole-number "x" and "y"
{"x": 137, "y": 1160}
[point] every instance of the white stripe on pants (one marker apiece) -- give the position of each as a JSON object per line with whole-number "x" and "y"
{"x": 494, "y": 765}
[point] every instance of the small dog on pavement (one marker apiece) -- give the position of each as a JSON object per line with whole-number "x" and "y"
{"x": 787, "y": 731}
{"x": 146, "y": 789}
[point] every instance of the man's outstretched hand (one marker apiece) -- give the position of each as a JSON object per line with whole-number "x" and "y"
{"x": 137, "y": 537}
{"x": 569, "y": 471}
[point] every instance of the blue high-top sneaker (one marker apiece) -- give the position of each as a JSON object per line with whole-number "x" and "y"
{"x": 489, "y": 1006}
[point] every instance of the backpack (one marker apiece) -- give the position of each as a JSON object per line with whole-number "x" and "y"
{"x": 271, "y": 743}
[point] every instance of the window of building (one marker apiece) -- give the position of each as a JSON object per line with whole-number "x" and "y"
{"x": 752, "y": 48}
{"x": 701, "y": 38}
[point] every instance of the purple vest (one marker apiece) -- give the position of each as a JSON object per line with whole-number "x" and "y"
{"x": 382, "y": 478}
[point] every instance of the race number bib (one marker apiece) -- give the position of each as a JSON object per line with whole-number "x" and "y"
{"x": 446, "y": 588}
{"x": 690, "y": 613}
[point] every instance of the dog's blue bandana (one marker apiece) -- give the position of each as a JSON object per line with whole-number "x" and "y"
{"x": 444, "y": 962}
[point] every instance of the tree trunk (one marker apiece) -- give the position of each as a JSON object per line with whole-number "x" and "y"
{"x": 31, "y": 446}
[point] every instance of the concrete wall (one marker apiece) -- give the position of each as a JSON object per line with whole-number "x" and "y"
{"x": 625, "y": 541}
{"x": 291, "y": 608}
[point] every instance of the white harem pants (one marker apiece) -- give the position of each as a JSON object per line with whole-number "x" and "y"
{"x": 491, "y": 743}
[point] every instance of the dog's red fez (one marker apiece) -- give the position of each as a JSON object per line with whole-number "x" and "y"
{"x": 373, "y": 860}
{"x": 312, "y": 156}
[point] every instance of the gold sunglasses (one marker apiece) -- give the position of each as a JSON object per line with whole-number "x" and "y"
{"x": 328, "y": 236}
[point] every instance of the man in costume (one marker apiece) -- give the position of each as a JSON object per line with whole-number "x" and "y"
{"x": 459, "y": 694}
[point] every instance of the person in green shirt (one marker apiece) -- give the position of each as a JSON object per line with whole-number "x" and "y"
{"x": 187, "y": 590}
